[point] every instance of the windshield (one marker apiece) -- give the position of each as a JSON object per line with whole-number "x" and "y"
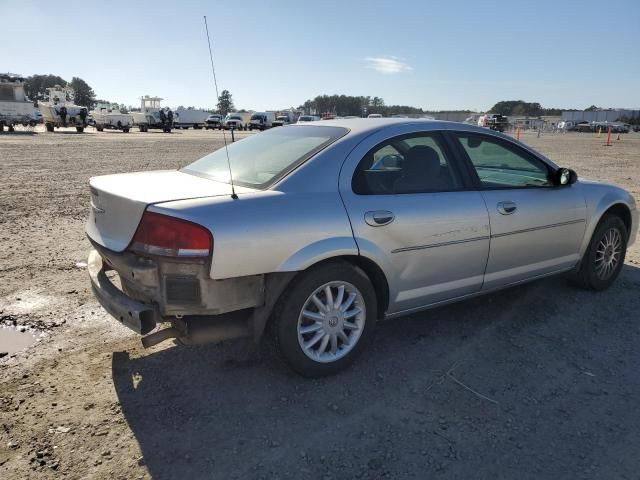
{"x": 257, "y": 117}
{"x": 234, "y": 118}
{"x": 260, "y": 160}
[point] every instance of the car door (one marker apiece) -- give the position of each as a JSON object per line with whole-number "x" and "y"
{"x": 412, "y": 213}
{"x": 536, "y": 226}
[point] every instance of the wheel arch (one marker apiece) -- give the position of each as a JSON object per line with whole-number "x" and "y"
{"x": 375, "y": 274}
{"x": 620, "y": 210}
{"x": 277, "y": 282}
{"x": 610, "y": 201}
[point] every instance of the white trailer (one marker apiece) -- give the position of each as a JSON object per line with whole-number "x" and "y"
{"x": 185, "y": 118}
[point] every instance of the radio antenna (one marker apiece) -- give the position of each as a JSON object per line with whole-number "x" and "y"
{"x": 224, "y": 135}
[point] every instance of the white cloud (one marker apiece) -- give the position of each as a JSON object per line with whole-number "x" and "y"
{"x": 387, "y": 65}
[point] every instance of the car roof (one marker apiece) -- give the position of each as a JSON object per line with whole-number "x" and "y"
{"x": 368, "y": 125}
{"x": 365, "y": 126}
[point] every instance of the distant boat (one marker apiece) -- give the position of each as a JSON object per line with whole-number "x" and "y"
{"x": 15, "y": 107}
{"x": 149, "y": 114}
{"x": 60, "y": 111}
{"x": 109, "y": 116}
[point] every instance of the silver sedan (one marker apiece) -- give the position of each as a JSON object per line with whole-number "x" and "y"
{"x": 321, "y": 229}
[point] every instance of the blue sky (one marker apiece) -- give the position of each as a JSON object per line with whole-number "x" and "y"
{"x": 275, "y": 54}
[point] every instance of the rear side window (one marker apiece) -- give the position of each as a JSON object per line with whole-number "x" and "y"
{"x": 501, "y": 165}
{"x": 415, "y": 163}
{"x": 260, "y": 160}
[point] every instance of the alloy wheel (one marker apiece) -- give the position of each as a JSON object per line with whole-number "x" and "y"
{"x": 331, "y": 321}
{"x": 608, "y": 253}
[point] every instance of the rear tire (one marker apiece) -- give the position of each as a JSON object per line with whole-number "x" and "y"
{"x": 49, "y": 127}
{"x": 314, "y": 344}
{"x": 79, "y": 129}
{"x": 604, "y": 257}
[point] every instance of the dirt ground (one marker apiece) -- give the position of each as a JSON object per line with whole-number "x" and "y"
{"x": 539, "y": 381}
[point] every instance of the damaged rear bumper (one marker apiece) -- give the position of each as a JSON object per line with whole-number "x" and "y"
{"x": 224, "y": 310}
{"x": 139, "y": 317}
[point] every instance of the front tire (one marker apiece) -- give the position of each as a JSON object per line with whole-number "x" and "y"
{"x": 325, "y": 319}
{"x": 604, "y": 258}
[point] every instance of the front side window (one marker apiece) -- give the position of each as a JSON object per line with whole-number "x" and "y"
{"x": 500, "y": 165}
{"x": 414, "y": 163}
{"x": 260, "y": 160}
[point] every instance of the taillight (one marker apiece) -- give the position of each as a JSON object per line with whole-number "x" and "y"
{"x": 160, "y": 234}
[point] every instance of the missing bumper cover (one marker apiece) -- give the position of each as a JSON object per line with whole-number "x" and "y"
{"x": 138, "y": 316}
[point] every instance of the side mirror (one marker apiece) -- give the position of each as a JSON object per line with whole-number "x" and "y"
{"x": 565, "y": 176}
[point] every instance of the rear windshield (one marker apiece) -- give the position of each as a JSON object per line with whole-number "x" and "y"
{"x": 261, "y": 159}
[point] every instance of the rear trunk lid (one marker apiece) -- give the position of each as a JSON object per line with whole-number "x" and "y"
{"x": 118, "y": 201}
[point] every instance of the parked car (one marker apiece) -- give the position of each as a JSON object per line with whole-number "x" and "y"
{"x": 374, "y": 115}
{"x": 620, "y": 128}
{"x": 236, "y": 120}
{"x": 213, "y": 121}
{"x": 308, "y": 118}
{"x": 262, "y": 120}
{"x": 382, "y": 219}
{"x": 583, "y": 127}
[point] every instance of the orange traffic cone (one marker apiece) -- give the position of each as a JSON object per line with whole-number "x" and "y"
{"x": 608, "y": 144}
{"x": 618, "y": 139}
{"x": 518, "y": 134}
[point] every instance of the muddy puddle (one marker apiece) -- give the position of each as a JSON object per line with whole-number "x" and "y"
{"x": 13, "y": 340}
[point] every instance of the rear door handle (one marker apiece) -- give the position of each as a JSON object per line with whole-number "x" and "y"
{"x": 506, "y": 208}
{"x": 378, "y": 218}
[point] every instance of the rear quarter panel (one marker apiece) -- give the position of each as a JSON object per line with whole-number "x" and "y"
{"x": 270, "y": 231}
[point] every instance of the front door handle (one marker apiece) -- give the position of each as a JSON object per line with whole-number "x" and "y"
{"x": 507, "y": 208}
{"x": 378, "y": 218}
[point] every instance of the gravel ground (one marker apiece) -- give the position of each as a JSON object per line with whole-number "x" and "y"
{"x": 539, "y": 381}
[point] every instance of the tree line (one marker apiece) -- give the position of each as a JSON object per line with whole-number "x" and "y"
{"x": 35, "y": 88}
{"x": 342, "y": 105}
{"x": 347, "y": 105}
{"x": 524, "y": 109}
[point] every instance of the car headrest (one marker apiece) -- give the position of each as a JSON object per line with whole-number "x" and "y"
{"x": 422, "y": 161}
